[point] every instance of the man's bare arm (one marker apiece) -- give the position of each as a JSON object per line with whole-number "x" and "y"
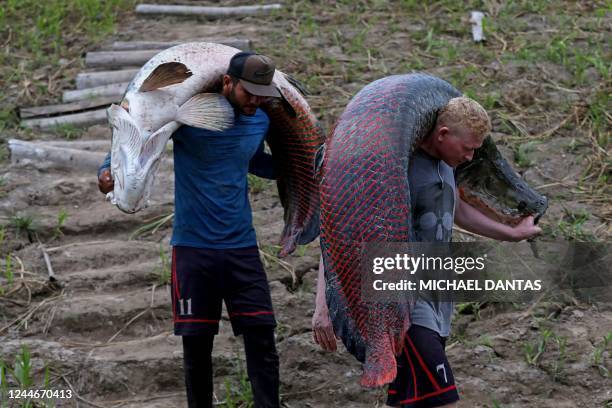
{"x": 469, "y": 218}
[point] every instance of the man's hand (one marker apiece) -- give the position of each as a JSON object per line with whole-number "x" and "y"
{"x": 525, "y": 229}
{"x": 322, "y": 329}
{"x": 105, "y": 181}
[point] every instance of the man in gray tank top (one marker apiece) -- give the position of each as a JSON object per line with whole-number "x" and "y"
{"x": 424, "y": 377}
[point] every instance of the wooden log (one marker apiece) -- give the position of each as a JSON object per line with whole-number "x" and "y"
{"x": 117, "y": 59}
{"x": 93, "y": 79}
{"x": 82, "y": 119}
{"x": 66, "y": 108}
{"x": 23, "y": 152}
{"x": 89, "y": 145}
{"x": 213, "y": 12}
{"x": 112, "y": 91}
{"x": 241, "y": 44}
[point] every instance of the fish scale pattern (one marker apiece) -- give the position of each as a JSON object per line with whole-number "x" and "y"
{"x": 296, "y": 140}
{"x": 365, "y": 198}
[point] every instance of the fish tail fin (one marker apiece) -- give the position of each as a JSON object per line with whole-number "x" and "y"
{"x": 310, "y": 231}
{"x": 297, "y": 85}
{"x": 380, "y": 365}
{"x": 209, "y": 111}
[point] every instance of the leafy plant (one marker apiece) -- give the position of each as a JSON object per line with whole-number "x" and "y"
{"x": 152, "y": 226}
{"x": 62, "y": 216}
{"x": 238, "y": 393}
{"x": 24, "y": 224}
{"x": 599, "y": 358}
{"x": 533, "y": 351}
{"x": 165, "y": 272}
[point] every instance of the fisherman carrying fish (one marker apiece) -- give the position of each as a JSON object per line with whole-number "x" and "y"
{"x": 419, "y": 376}
{"x": 215, "y": 255}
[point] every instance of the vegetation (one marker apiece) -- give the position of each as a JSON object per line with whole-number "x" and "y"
{"x": 21, "y": 376}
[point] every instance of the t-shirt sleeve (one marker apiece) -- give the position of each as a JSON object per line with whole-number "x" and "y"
{"x": 262, "y": 164}
{"x": 106, "y": 164}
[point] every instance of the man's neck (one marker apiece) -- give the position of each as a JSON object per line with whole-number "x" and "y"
{"x": 428, "y": 147}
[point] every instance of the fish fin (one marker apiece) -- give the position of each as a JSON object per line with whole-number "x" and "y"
{"x": 154, "y": 147}
{"x": 297, "y": 85}
{"x": 170, "y": 73}
{"x": 209, "y": 111}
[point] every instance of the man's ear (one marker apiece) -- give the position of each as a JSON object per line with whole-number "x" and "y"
{"x": 227, "y": 80}
{"x": 441, "y": 133}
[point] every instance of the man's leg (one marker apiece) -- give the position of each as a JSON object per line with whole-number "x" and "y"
{"x": 197, "y": 358}
{"x": 249, "y": 304}
{"x": 424, "y": 377}
{"x": 262, "y": 365}
{"x": 196, "y": 309}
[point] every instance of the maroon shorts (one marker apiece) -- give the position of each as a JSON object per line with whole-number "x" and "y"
{"x": 424, "y": 377}
{"x": 203, "y": 278}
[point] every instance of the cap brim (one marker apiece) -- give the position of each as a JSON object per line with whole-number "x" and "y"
{"x": 261, "y": 90}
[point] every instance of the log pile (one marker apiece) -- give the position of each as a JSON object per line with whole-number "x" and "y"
{"x": 97, "y": 89}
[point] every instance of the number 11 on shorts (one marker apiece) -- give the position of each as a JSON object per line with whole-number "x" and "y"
{"x": 182, "y": 304}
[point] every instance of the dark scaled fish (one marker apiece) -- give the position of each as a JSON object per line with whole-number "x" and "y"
{"x": 294, "y": 137}
{"x": 365, "y": 198}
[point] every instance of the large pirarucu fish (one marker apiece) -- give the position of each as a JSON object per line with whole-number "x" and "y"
{"x": 180, "y": 85}
{"x": 365, "y": 197}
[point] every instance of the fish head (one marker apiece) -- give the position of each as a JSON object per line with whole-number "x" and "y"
{"x": 135, "y": 157}
{"x": 489, "y": 183}
{"x": 149, "y": 111}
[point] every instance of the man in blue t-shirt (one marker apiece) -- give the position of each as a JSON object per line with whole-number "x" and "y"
{"x": 215, "y": 256}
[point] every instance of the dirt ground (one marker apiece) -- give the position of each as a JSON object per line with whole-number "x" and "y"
{"x": 105, "y": 331}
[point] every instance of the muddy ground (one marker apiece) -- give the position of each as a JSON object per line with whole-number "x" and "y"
{"x": 105, "y": 330}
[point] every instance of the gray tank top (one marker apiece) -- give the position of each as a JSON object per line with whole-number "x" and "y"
{"x": 432, "y": 195}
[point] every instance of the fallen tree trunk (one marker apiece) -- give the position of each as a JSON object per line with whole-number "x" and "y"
{"x": 23, "y": 152}
{"x": 241, "y": 44}
{"x": 117, "y": 59}
{"x": 81, "y": 119}
{"x": 89, "y": 145}
{"x": 65, "y": 108}
{"x": 94, "y": 79}
{"x": 112, "y": 91}
{"x": 216, "y": 12}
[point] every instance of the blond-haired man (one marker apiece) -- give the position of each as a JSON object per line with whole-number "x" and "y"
{"x": 424, "y": 377}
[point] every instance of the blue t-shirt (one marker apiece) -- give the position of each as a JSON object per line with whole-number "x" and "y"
{"x": 211, "y": 200}
{"x": 212, "y": 207}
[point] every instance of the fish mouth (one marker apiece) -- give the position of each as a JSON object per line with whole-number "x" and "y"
{"x": 125, "y": 147}
{"x": 509, "y": 213}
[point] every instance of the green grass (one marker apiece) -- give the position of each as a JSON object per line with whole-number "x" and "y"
{"x": 39, "y": 38}
{"x": 522, "y": 153}
{"x": 24, "y": 226}
{"x": 21, "y": 376}
{"x": 571, "y": 227}
{"x": 238, "y": 392}
{"x": 164, "y": 271}
{"x": 151, "y": 227}
{"x": 534, "y": 350}
{"x": 599, "y": 359}
{"x": 67, "y": 131}
{"x": 257, "y": 184}
{"x": 62, "y": 216}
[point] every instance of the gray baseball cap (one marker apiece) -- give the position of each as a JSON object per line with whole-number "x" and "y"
{"x": 255, "y": 72}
